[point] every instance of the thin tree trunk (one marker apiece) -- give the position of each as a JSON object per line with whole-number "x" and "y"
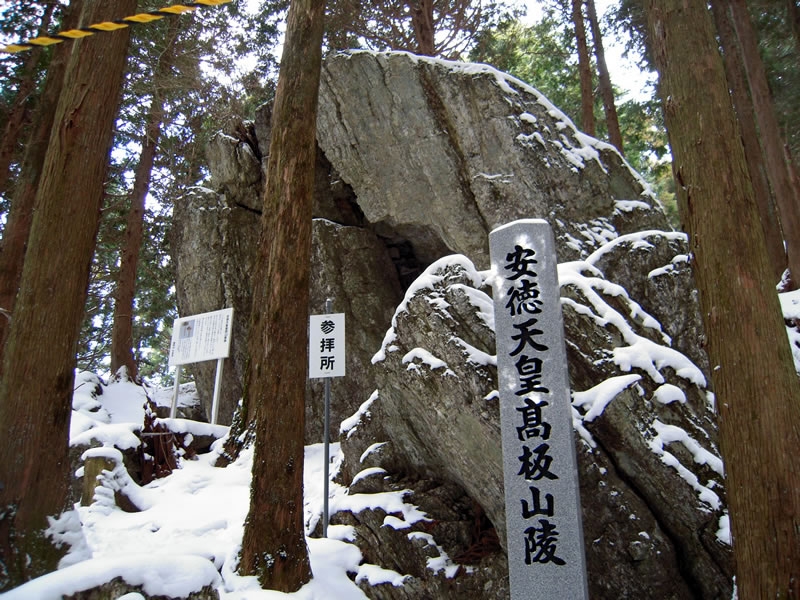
{"x": 122, "y": 329}
{"x": 18, "y": 224}
{"x": 124, "y": 297}
{"x": 39, "y": 362}
{"x": 18, "y": 112}
{"x": 753, "y": 374}
{"x": 604, "y": 80}
{"x": 793, "y": 16}
{"x": 422, "y": 23}
{"x": 584, "y": 68}
{"x": 274, "y": 546}
{"x": 780, "y": 172}
{"x": 734, "y": 70}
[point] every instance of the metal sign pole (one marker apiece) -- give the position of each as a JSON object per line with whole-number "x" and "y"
{"x": 326, "y": 443}
{"x": 217, "y": 386}
{"x": 174, "y": 410}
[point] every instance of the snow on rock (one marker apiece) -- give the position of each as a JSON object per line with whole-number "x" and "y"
{"x": 627, "y": 372}
{"x": 163, "y": 574}
{"x": 593, "y": 401}
{"x": 418, "y": 356}
{"x": 666, "y": 434}
{"x": 790, "y": 305}
{"x": 350, "y": 423}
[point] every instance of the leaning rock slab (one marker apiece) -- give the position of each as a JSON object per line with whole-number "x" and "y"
{"x": 440, "y": 153}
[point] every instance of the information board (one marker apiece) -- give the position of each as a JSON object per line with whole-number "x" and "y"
{"x": 206, "y": 336}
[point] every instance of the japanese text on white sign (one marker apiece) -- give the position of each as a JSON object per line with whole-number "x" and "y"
{"x": 326, "y": 345}
{"x": 206, "y": 336}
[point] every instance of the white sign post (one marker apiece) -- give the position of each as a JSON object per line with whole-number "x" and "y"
{"x": 326, "y": 344}
{"x": 206, "y": 336}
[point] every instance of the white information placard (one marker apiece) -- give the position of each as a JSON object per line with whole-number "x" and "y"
{"x": 326, "y": 346}
{"x": 206, "y": 336}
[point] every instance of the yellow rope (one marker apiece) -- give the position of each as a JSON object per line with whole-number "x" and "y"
{"x": 74, "y": 34}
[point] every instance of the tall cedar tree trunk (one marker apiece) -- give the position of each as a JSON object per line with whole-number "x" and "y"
{"x": 274, "y": 546}
{"x": 422, "y": 24}
{"x": 584, "y": 68}
{"x": 758, "y": 397}
{"x": 39, "y": 362}
{"x": 604, "y": 80}
{"x": 767, "y": 209}
{"x": 780, "y": 171}
{"x": 18, "y": 224}
{"x": 122, "y": 329}
{"x": 18, "y": 112}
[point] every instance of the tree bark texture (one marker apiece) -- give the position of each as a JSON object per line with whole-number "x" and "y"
{"x": 39, "y": 361}
{"x": 18, "y": 114}
{"x": 584, "y": 68}
{"x": 604, "y": 80}
{"x": 274, "y": 546}
{"x": 18, "y": 224}
{"x": 125, "y": 294}
{"x": 422, "y": 24}
{"x": 743, "y": 105}
{"x": 779, "y": 168}
{"x": 758, "y": 399}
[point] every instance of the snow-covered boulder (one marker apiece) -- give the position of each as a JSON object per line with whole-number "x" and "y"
{"x": 649, "y": 467}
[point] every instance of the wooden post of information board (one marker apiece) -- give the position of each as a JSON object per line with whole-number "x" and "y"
{"x": 543, "y": 512}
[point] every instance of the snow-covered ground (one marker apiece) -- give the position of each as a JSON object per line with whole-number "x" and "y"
{"x": 188, "y": 534}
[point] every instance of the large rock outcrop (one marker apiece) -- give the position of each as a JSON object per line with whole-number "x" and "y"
{"x": 440, "y": 153}
{"x": 419, "y": 159}
{"x": 649, "y": 468}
